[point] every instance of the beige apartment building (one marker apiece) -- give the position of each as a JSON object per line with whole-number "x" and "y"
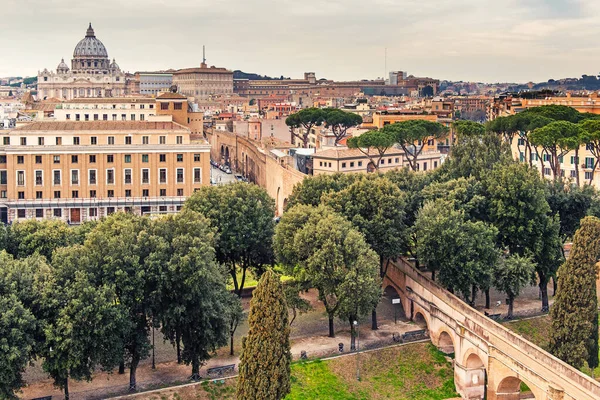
{"x": 204, "y": 81}
{"x": 78, "y": 171}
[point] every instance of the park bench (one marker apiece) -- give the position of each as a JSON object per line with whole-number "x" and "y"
{"x": 414, "y": 335}
{"x": 495, "y": 317}
{"x": 220, "y": 371}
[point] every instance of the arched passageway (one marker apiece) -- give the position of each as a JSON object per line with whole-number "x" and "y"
{"x": 445, "y": 343}
{"x": 512, "y": 388}
{"x": 393, "y": 303}
{"x": 475, "y": 379}
{"x": 420, "y": 320}
{"x": 226, "y": 156}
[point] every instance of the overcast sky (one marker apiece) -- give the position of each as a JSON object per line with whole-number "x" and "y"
{"x": 471, "y": 40}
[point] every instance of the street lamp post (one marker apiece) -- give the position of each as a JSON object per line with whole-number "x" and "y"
{"x": 355, "y": 323}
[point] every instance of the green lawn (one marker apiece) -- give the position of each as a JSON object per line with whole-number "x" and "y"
{"x": 413, "y": 372}
{"x": 251, "y": 281}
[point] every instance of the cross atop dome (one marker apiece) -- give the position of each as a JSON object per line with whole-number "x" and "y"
{"x": 90, "y": 31}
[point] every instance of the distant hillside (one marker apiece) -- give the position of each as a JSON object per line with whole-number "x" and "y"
{"x": 237, "y": 74}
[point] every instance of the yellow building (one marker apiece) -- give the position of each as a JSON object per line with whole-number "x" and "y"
{"x": 583, "y": 104}
{"x": 78, "y": 171}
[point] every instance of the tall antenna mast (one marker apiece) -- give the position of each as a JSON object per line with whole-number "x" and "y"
{"x": 385, "y": 71}
{"x": 203, "y": 55}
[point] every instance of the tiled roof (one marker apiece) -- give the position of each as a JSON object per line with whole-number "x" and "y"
{"x": 199, "y": 70}
{"x": 169, "y": 95}
{"x": 99, "y": 126}
{"x": 344, "y": 152}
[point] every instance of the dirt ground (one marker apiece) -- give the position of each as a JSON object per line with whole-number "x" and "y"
{"x": 308, "y": 333}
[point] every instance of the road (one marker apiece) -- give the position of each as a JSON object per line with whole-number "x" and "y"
{"x": 219, "y": 177}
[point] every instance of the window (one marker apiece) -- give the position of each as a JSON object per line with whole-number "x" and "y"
{"x": 23, "y": 141}
{"x": 68, "y": 116}
{"x": 110, "y": 158}
{"x": 74, "y": 159}
{"x": 588, "y": 175}
{"x": 145, "y": 175}
{"x": 360, "y": 163}
{"x": 163, "y": 192}
{"x": 92, "y": 176}
{"x": 104, "y": 117}
{"x": 93, "y": 194}
{"x": 352, "y": 164}
{"x": 145, "y": 192}
{"x": 196, "y": 157}
{"x": 57, "y": 212}
{"x": 75, "y": 194}
{"x": 86, "y": 117}
{"x": 127, "y": 192}
{"x": 57, "y": 194}
{"x": 435, "y": 164}
{"x": 39, "y": 194}
{"x": 163, "y": 157}
{"x": 6, "y": 140}
{"x": 177, "y": 106}
{"x": 127, "y": 139}
{"x": 546, "y": 171}
{"x": 560, "y": 159}
{"x": 20, "y": 159}
{"x": 424, "y": 166}
{"x": 574, "y": 160}
{"x": 110, "y": 176}
{"x": 3, "y": 194}
{"x": 92, "y": 158}
{"x": 589, "y": 146}
{"x": 3, "y": 159}
{"x": 164, "y": 106}
{"x": 128, "y": 176}
{"x": 521, "y": 142}
{"x": 179, "y": 192}
{"x": 114, "y": 117}
{"x": 589, "y": 162}
{"x": 162, "y": 139}
{"x": 93, "y": 140}
{"x": 111, "y": 140}
{"x": 21, "y": 178}
{"x": 38, "y": 159}
{"x": 343, "y": 165}
{"x": 21, "y": 213}
{"x": 142, "y": 117}
{"x": 40, "y": 141}
{"x": 39, "y": 178}
{"x": 144, "y": 158}
{"x": 58, "y": 140}
{"x": 320, "y": 163}
{"x": 197, "y": 175}
{"x": 133, "y": 119}
{"x": 144, "y": 139}
{"x": 162, "y": 175}
{"x": 179, "y": 139}
{"x": 3, "y": 177}
{"x": 127, "y": 158}
{"x": 21, "y": 195}
{"x": 382, "y": 161}
{"x": 110, "y": 210}
{"x": 389, "y": 160}
{"x": 110, "y": 193}
{"x": 162, "y": 208}
{"x": 93, "y": 212}
{"x": 95, "y": 117}
{"x": 75, "y": 177}
{"x": 179, "y": 175}
{"x": 39, "y": 213}
{"x": 329, "y": 165}
{"x": 56, "y": 159}
{"x": 396, "y": 160}
{"x": 123, "y": 117}
{"x": 179, "y": 157}
{"x": 76, "y": 140}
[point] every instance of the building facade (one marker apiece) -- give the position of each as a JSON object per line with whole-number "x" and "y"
{"x": 154, "y": 83}
{"x": 91, "y": 74}
{"x": 79, "y": 171}
{"x": 204, "y": 81}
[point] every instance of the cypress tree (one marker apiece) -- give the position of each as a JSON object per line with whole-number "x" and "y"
{"x": 574, "y": 334}
{"x": 264, "y": 371}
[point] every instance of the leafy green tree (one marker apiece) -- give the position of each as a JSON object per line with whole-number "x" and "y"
{"x": 117, "y": 250}
{"x": 411, "y": 135}
{"x": 511, "y": 275}
{"x": 571, "y": 203}
{"x": 243, "y": 216}
{"x": 465, "y": 128}
{"x": 321, "y": 249}
{"x": 340, "y": 121}
{"x": 85, "y": 330}
{"x": 373, "y": 144}
{"x": 265, "y": 361}
{"x": 557, "y": 139}
{"x": 295, "y": 303}
{"x": 304, "y": 121}
{"x": 312, "y": 188}
{"x": 468, "y": 195}
{"x": 504, "y": 127}
{"x": 376, "y": 208}
{"x": 557, "y": 113}
{"x": 17, "y": 332}
{"x": 192, "y": 300}
{"x": 591, "y": 137}
{"x": 27, "y": 237}
{"x": 464, "y": 252}
{"x": 574, "y": 334}
{"x": 520, "y": 211}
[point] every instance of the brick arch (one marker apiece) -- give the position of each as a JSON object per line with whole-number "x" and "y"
{"x": 421, "y": 318}
{"x": 509, "y": 388}
{"x": 391, "y": 292}
{"x": 444, "y": 340}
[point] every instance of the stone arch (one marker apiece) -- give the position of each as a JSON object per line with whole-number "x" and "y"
{"x": 445, "y": 342}
{"x": 222, "y": 151}
{"x": 390, "y": 293}
{"x": 471, "y": 378}
{"x": 285, "y": 202}
{"x": 278, "y": 202}
{"x": 511, "y": 388}
{"x": 227, "y": 155}
{"x": 371, "y": 167}
{"x": 421, "y": 320}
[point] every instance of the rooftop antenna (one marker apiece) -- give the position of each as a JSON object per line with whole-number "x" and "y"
{"x": 203, "y": 55}
{"x": 385, "y": 71}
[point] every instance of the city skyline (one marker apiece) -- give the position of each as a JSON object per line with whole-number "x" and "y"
{"x": 466, "y": 40}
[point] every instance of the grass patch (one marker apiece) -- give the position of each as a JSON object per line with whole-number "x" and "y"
{"x": 536, "y": 330}
{"x": 251, "y": 280}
